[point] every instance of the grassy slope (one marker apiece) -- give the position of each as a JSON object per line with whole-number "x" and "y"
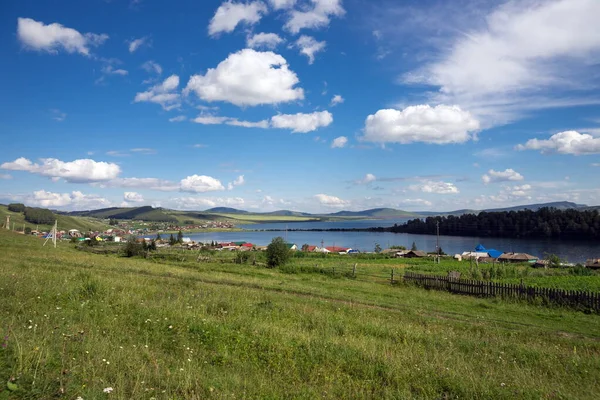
{"x": 65, "y": 222}
{"x": 77, "y": 323}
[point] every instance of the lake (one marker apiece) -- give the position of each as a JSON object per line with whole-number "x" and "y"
{"x": 571, "y": 251}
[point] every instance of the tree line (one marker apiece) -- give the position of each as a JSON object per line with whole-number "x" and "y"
{"x": 544, "y": 223}
{"x": 34, "y": 215}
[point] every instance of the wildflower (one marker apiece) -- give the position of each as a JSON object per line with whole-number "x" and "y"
{"x": 79, "y": 398}
{"x": 107, "y": 390}
{"x": 170, "y": 326}
{"x": 503, "y": 384}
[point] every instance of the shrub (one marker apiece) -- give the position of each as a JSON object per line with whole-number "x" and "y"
{"x": 133, "y": 248}
{"x": 277, "y": 253}
{"x": 242, "y": 257}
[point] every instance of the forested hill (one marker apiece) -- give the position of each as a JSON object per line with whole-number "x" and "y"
{"x": 544, "y": 223}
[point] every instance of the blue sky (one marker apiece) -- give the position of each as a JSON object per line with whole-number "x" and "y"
{"x": 311, "y": 105}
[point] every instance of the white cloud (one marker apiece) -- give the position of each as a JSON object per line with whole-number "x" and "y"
{"x": 152, "y": 67}
{"x": 309, "y": 47}
{"x": 264, "y": 40}
{"x": 143, "y": 150}
{"x": 316, "y": 17}
{"x": 282, "y": 4}
{"x": 248, "y": 124}
{"x": 568, "y": 142}
{"x": 200, "y": 184}
{"x": 110, "y": 70}
{"x": 5, "y": 176}
{"x": 75, "y": 200}
{"x": 58, "y": 115}
{"x": 248, "y": 78}
{"x": 142, "y": 183}
{"x": 369, "y": 178}
{"x": 302, "y": 123}
{"x": 189, "y": 203}
{"x": 210, "y": 120}
{"x": 415, "y": 202}
{"x": 595, "y": 164}
{"x": 518, "y": 191}
{"x": 51, "y": 38}
{"x": 133, "y": 197}
{"x": 501, "y": 176}
{"x": 439, "y": 125}
{"x": 200, "y": 146}
{"x": 339, "y": 142}
{"x": 162, "y": 93}
{"x": 179, "y": 118}
{"x": 435, "y": 187}
{"x": 512, "y": 63}
{"x": 331, "y": 201}
{"x": 137, "y": 43}
{"x": 335, "y": 100}
{"x": 230, "y": 14}
{"x": 237, "y": 182}
{"x": 84, "y": 170}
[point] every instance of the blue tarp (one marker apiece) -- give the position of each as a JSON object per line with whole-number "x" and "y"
{"x": 480, "y": 248}
{"x": 494, "y": 253}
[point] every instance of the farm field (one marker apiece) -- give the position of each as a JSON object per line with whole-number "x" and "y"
{"x": 76, "y": 324}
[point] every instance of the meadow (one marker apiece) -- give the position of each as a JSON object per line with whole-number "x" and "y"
{"x": 76, "y": 324}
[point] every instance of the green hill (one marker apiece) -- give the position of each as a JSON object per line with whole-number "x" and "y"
{"x": 375, "y": 213}
{"x": 65, "y": 222}
{"x": 144, "y": 213}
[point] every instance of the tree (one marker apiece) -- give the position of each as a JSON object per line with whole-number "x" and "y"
{"x": 16, "y": 207}
{"x": 133, "y": 248}
{"x": 180, "y": 237}
{"x": 40, "y": 216}
{"x": 305, "y": 247}
{"x": 113, "y": 222}
{"x": 158, "y": 237}
{"x": 413, "y": 247}
{"x": 28, "y": 231}
{"x": 172, "y": 240}
{"x": 553, "y": 261}
{"x": 377, "y": 248}
{"x": 278, "y": 252}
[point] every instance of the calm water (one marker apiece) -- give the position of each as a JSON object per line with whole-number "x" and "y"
{"x": 572, "y": 251}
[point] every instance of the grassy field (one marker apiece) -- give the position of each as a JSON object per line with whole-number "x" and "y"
{"x": 65, "y": 222}
{"x": 75, "y": 324}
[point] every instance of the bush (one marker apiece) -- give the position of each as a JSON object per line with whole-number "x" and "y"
{"x": 133, "y": 248}
{"x": 242, "y": 257}
{"x": 278, "y": 253}
{"x": 16, "y": 207}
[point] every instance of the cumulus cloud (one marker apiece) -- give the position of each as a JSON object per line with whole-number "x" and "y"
{"x": 439, "y": 125}
{"x": 568, "y": 142}
{"x": 75, "y": 200}
{"x": 163, "y": 93}
{"x": 51, "y": 38}
{"x": 200, "y": 184}
{"x": 335, "y": 100}
{"x": 302, "y": 123}
{"x": 501, "y": 176}
{"x": 331, "y": 201}
{"x": 77, "y": 171}
{"x": 435, "y": 187}
{"x": 317, "y": 16}
{"x": 514, "y": 60}
{"x": 210, "y": 120}
{"x": 248, "y": 78}
{"x": 339, "y": 142}
{"x": 264, "y": 40}
{"x": 247, "y": 124}
{"x": 415, "y": 202}
{"x": 137, "y": 43}
{"x": 309, "y": 47}
{"x": 282, "y": 4}
{"x": 237, "y": 182}
{"x": 133, "y": 197}
{"x": 230, "y": 14}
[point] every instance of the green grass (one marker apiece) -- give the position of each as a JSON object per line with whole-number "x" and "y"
{"x": 65, "y": 222}
{"x": 77, "y": 323}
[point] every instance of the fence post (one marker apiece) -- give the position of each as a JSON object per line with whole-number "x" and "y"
{"x": 354, "y": 271}
{"x": 392, "y": 280}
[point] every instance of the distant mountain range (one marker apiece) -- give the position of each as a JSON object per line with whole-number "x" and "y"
{"x": 165, "y": 215}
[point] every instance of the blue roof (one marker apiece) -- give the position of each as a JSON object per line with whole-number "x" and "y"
{"x": 494, "y": 253}
{"x": 480, "y": 248}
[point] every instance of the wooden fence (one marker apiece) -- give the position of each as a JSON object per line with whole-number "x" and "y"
{"x": 570, "y": 298}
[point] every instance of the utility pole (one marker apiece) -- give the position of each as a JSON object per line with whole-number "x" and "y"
{"x": 437, "y": 225}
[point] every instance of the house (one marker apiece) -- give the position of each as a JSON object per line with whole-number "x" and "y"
{"x": 337, "y": 249}
{"x": 541, "y": 264}
{"x": 415, "y": 254}
{"x": 321, "y": 250}
{"x": 593, "y": 263}
{"x": 247, "y": 245}
{"x": 310, "y": 249}
{"x": 517, "y": 258}
{"x": 291, "y": 246}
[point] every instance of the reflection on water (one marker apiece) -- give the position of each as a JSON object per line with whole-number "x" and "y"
{"x": 572, "y": 251}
